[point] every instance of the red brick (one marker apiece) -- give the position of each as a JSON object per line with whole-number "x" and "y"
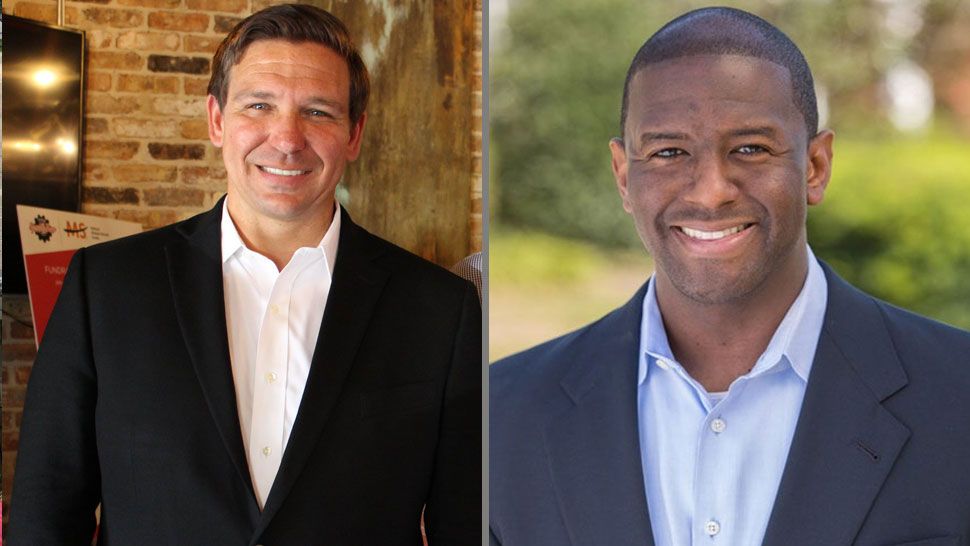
{"x": 232, "y": 6}
{"x": 183, "y": 22}
{"x": 224, "y": 24}
{"x": 150, "y": 41}
{"x": 99, "y": 195}
{"x": 151, "y": 3}
{"x": 195, "y": 129}
{"x": 11, "y": 441}
{"x": 193, "y": 107}
{"x": 149, "y": 219}
{"x": 104, "y": 149}
{"x": 166, "y": 151}
{"x": 99, "y": 38}
{"x": 46, "y": 13}
{"x": 103, "y": 103}
{"x": 94, "y": 172}
{"x": 196, "y": 86}
{"x": 13, "y": 398}
{"x": 207, "y": 177}
{"x": 136, "y": 83}
{"x": 22, "y": 374}
{"x": 99, "y": 81}
{"x": 174, "y": 197}
{"x": 112, "y": 17}
{"x": 19, "y": 352}
{"x": 95, "y": 126}
{"x": 115, "y": 59}
{"x": 21, "y": 331}
{"x": 145, "y": 128}
{"x": 169, "y": 63}
{"x": 11, "y": 419}
{"x": 193, "y": 43}
{"x": 136, "y": 174}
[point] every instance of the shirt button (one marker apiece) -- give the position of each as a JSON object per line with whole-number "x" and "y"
{"x": 718, "y": 426}
{"x": 664, "y": 365}
{"x": 271, "y": 377}
{"x": 266, "y": 451}
{"x": 275, "y": 309}
{"x": 712, "y": 528}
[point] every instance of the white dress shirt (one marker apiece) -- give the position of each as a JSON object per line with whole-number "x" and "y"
{"x": 712, "y": 462}
{"x": 273, "y": 319}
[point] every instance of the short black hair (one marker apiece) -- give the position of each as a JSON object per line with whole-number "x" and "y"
{"x": 728, "y": 31}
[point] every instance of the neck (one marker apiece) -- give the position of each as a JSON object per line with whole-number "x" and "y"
{"x": 278, "y": 240}
{"x": 719, "y": 342}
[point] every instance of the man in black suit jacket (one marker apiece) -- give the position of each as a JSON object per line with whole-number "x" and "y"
{"x": 719, "y": 159}
{"x": 134, "y": 401}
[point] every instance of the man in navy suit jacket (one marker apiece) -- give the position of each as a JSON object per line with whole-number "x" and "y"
{"x": 863, "y": 431}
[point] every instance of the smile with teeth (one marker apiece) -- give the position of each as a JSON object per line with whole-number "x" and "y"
{"x": 281, "y": 172}
{"x": 712, "y": 235}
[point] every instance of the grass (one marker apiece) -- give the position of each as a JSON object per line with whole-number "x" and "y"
{"x": 541, "y": 286}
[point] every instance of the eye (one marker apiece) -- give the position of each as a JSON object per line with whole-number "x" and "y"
{"x": 669, "y": 153}
{"x": 258, "y": 106}
{"x": 315, "y": 113}
{"x": 751, "y": 149}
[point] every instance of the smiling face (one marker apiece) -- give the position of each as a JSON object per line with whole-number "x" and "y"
{"x": 717, "y": 170}
{"x": 285, "y": 133}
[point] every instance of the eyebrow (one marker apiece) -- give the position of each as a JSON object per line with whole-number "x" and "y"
{"x": 648, "y": 136}
{"x": 765, "y": 131}
{"x": 264, "y": 95}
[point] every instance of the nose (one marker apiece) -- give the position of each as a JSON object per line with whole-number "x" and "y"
{"x": 287, "y": 135}
{"x": 710, "y": 185}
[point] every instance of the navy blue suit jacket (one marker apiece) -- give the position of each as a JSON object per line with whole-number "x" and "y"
{"x": 880, "y": 456}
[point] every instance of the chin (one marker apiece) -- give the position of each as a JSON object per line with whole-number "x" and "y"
{"x": 716, "y": 286}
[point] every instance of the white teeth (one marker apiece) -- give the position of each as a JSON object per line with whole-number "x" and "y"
{"x": 711, "y": 235}
{"x": 282, "y": 172}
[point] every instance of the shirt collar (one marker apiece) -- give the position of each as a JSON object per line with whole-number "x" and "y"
{"x": 233, "y": 243}
{"x": 794, "y": 341}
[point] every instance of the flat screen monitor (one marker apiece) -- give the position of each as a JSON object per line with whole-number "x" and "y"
{"x": 43, "y": 68}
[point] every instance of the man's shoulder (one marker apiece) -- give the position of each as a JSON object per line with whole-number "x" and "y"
{"x": 404, "y": 264}
{"x": 925, "y": 345}
{"x": 152, "y": 241}
{"x": 536, "y": 373}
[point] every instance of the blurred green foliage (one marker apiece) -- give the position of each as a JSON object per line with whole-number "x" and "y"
{"x": 894, "y": 221}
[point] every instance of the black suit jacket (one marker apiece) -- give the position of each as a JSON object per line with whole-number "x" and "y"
{"x": 880, "y": 456}
{"x": 131, "y": 404}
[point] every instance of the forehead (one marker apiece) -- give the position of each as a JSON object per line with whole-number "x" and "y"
{"x": 266, "y": 62}
{"x": 712, "y": 91}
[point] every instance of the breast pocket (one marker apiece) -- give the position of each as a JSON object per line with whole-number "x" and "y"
{"x": 402, "y": 400}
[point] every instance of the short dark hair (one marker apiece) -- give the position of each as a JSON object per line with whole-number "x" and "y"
{"x": 293, "y": 23}
{"x": 728, "y": 31}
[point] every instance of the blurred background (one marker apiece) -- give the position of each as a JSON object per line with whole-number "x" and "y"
{"x": 893, "y": 80}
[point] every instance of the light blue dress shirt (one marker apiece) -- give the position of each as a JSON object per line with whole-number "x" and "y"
{"x": 712, "y": 462}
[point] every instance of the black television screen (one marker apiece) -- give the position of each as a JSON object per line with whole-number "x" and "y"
{"x": 43, "y": 69}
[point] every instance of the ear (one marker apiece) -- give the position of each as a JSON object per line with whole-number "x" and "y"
{"x": 819, "y": 165}
{"x": 215, "y": 120}
{"x": 356, "y": 137}
{"x": 618, "y": 151}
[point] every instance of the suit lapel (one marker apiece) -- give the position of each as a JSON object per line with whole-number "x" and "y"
{"x": 593, "y": 448}
{"x": 354, "y": 292}
{"x": 195, "y": 272}
{"x": 845, "y": 442}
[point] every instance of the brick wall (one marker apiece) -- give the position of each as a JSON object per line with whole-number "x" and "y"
{"x": 147, "y": 157}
